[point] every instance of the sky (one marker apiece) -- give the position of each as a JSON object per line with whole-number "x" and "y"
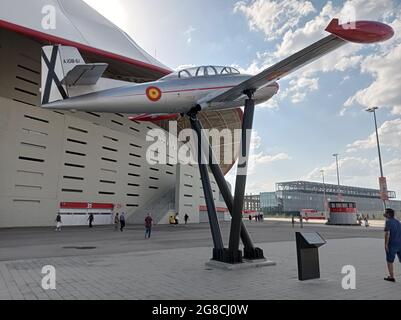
{"x": 320, "y": 109}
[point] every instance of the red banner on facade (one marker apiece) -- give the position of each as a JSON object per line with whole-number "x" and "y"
{"x": 85, "y": 205}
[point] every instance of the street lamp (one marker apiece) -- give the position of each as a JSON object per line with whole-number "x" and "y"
{"x": 324, "y": 193}
{"x": 338, "y": 176}
{"x": 338, "y": 171}
{"x": 382, "y": 180}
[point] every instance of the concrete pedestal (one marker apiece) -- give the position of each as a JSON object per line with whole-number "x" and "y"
{"x": 246, "y": 264}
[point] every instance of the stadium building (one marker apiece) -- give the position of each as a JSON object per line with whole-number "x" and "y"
{"x": 291, "y": 197}
{"x": 76, "y": 163}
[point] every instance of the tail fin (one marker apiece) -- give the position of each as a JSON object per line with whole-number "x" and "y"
{"x": 64, "y": 67}
{"x": 57, "y": 61}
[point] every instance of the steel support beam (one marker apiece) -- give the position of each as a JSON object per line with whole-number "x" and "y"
{"x": 250, "y": 252}
{"x": 240, "y": 183}
{"x": 218, "y": 252}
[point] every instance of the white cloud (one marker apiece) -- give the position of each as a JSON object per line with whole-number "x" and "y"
{"x": 390, "y": 136}
{"x": 271, "y": 104}
{"x": 350, "y": 167}
{"x": 345, "y": 79}
{"x": 184, "y": 66}
{"x": 258, "y": 158}
{"x": 392, "y": 170}
{"x": 340, "y": 60}
{"x": 296, "y": 36}
{"x": 299, "y": 87}
{"x": 386, "y": 85}
{"x": 274, "y": 17}
{"x": 386, "y": 88}
{"x": 256, "y": 140}
{"x": 299, "y": 38}
{"x": 263, "y": 61}
{"x": 188, "y": 34}
{"x": 261, "y": 158}
{"x": 258, "y": 187}
{"x": 360, "y": 172}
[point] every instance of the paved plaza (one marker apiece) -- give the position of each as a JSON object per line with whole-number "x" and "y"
{"x": 103, "y": 264}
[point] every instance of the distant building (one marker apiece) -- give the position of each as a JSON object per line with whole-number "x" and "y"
{"x": 252, "y": 203}
{"x": 269, "y": 202}
{"x": 292, "y": 197}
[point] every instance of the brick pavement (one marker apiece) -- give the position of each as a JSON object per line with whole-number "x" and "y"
{"x": 182, "y": 274}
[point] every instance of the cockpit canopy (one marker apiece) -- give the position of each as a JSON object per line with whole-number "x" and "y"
{"x": 202, "y": 71}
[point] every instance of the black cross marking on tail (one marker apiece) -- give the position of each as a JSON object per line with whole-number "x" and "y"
{"x": 52, "y": 76}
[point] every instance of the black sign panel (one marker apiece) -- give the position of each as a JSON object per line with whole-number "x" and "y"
{"x": 313, "y": 238}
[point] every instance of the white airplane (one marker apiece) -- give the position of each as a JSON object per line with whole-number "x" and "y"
{"x": 68, "y": 83}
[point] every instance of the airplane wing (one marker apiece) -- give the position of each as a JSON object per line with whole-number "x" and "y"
{"x": 359, "y": 32}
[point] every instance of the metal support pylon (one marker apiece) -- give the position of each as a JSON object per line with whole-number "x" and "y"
{"x": 240, "y": 182}
{"x": 218, "y": 251}
{"x": 250, "y": 251}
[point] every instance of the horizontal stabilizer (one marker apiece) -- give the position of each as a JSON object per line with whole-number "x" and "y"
{"x": 84, "y": 74}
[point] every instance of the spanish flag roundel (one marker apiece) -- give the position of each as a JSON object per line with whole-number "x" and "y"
{"x": 153, "y": 93}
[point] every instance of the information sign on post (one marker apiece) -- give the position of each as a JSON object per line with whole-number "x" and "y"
{"x": 383, "y": 188}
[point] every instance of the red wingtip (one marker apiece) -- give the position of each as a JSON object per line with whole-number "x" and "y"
{"x": 361, "y": 31}
{"x": 333, "y": 25}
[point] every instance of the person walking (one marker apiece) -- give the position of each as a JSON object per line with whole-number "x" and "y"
{"x": 122, "y": 222}
{"x": 116, "y": 221}
{"x": 90, "y": 219}
{"x": 250, "y": 218}
{"x": 392, "y": 242}
{"x": 186, "y": 217}
{"x": 58, "y": 222}
{"x": 148, "y": 226}
{"x": 293, "y": 221}
{"x": 366, "y": 222}
{"x": 359, "y": 219}
{"x": 177, "y": 219}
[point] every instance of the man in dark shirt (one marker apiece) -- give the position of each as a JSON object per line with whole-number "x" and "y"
{"x": 90, "y": 219}
{"x": 122, "y": 222}
{"x": 392, "y": 242}
{"x": 148, "y": 226}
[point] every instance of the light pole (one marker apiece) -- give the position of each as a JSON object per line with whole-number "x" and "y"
{"x": 324, "y": 193}
{"x": 338, "y": 175}
{"x": 373, "y": 110}
{"x": 338, "y": 171}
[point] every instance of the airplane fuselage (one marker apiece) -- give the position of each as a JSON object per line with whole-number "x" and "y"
{"x": 209, "y": 87}
{"x": 175, "y": 95}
